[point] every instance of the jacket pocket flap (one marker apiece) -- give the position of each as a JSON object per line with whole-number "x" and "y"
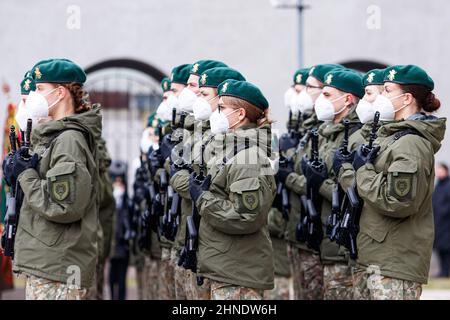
{"x": 247, "y": 184}
{"x": 377, "y": 234}
{"x": 404, "y": 166}
{"x": 61, "y": 169}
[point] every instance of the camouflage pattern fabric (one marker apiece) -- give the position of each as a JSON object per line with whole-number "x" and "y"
{"x": 166, "y": 284}
{"x": 370, "y": 285}
{"x": 226, "y": 291}
{"x": 194, "y": 291}
{"x": 43, "y": 289}
{"x": 150, "y": 278}
{"x": 282, "y": 291}
{"x": 337, "y": 282}
{"x": 307, "y": 274}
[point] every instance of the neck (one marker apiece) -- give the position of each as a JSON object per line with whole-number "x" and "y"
{"x": 240, "y": 124}
{"x": 62, "y": 111}
{"x": 339, "y": 117}
{"x": 406, "y": 112}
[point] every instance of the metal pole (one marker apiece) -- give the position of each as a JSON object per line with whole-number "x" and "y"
{"x": 300, "y": 33}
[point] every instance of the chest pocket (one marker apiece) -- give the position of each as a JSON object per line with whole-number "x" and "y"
{"x": 402, "y": 180}
{"x": 245, "y": 195}
{"x": 61, "y": 182}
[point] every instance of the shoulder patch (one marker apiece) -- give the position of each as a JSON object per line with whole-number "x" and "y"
{"x": 250, "y": 199}
{"x": 60, "y": 190}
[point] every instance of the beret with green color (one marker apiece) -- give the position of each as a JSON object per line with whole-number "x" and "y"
{"x": 27, "y": 84}
{"x": 345, "y": 80}
{"x": 154, "y": 121}
{"x": 408, "y": 74}
{"x": 301, "y": 75}
{"x": 180, "y": 74}
{"x": 243, "y": 90}
{"x": 373, "y": 77}
{"x": 319, "y": 71}
{"x": 58, "y": 71}
{"x": 165, "y": 84}
{"x": 215, "y": 76}
{"x": 201, "y": 66}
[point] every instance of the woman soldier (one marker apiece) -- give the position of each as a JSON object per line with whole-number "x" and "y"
{"x": 235, "y": 252}
{"x": 395, "y": 181}
{"x": 56, "y": 241}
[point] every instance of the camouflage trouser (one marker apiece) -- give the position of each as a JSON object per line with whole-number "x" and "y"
{"x": 337, "y": 282}
{"x": 150, "y": 278}
{"x": 282, "y": 290}
{"x": 43, "y": 289}
{"x": 91, "y": 293}
{"x": 140, "y": 280}
{"x": 194, "y": 291}
{"x": 166, "y": 283}
{"x": 373, "y": 286}
{"x": 180, "y": 276}
{"x": 307, "y": 274}
{"x": 226, "y": 291}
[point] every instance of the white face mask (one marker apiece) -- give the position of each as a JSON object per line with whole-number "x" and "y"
{"x": 288, "y": 95}
{"x": 163, "y": 111}
{"x": 365, "y": 111}
{"x": 37, "y": 105}
{"x": 146, "y": 142}
{"x": 22, "y": 116}
{"x": 173, "y": 102}
{"x": 202, "y": 108}
{"x": 187, "y": 99}
{"x": 304, "y": 102}
{"x": 219, "y": 122}
{"x": 325, "y": 109}
{"x": 384, "y": 105}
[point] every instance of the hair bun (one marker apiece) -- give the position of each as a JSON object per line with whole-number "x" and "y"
{"x": 432, "y": 103}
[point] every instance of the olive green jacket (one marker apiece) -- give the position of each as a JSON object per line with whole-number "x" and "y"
{"x": 333, "y": 135}
{"x": 234, "y": 240}
{"x": 57, "y": 232}
{"x": 396, "y": 226}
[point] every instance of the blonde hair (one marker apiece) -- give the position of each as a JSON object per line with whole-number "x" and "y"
{"x": 252, "y": 113}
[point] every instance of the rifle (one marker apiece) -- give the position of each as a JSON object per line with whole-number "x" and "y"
{"x": 349, "y": 226}
{"x": 314, "y": 200}
{"x": 282, "y": 191}
{"x": 188, "y": 256}
{"x": 15, "y": 196}
{"x": 292, "y": 138}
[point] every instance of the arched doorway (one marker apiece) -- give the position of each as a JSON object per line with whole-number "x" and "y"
{"x": 128, "y": 90}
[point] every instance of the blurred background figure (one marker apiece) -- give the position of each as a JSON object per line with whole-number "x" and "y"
{"x": 120, "y": 252}
{"x": 441, "y": 208}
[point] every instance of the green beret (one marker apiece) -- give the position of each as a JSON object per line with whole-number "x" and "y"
{"x": 165, "y": 84}
{"x": 345, "y": 80}
{"x": 319, "y": 71}
{"x": 180, "y": 74}
{"x": 243, "y": 90}
{"x": 373, "y": 77}
{"x": 301, "y": 75}
{"x": 154, "y": 121}
{"x": 408, "y": 74}
{"x": 202, "y": 65}
{"x": 215, "y": 76}
{"x": 27, "y": 84}
{"x": 58, "y": 71}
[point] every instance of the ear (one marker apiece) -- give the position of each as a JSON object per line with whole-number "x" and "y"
{"x": 242, "y": 114}
{"x": 408, "y": 99}
{"x": 349, "y": 100}
{"x": 62, "y": 91}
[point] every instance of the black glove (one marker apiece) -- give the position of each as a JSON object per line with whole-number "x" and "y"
{"x": 7, "y": 168}
{"x": 363, "y": 156}
{"x": 197, "y": 186}
{"x": 21, "y": 162}
{"x": 316, "y": 176}
{"x": 340, "y": 158}
{"x": 155, "y": 161}
{"x": 285, "y": 168}
{"x": 167, "y": 145}
{"x": 177, "y": 166}
{"x": 373, "y": 154}
{"x": 288, "y": 141}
